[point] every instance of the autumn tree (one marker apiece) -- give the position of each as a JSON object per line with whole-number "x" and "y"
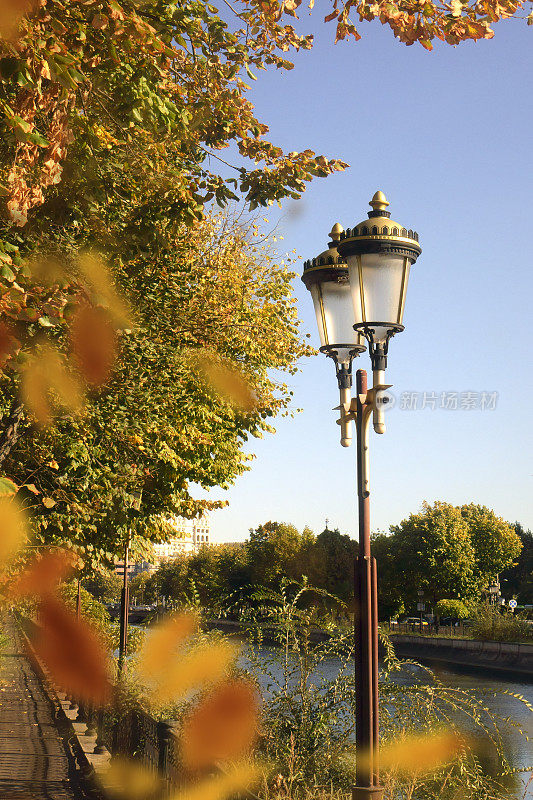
{"x": 496, "y": 543}
{"x": 448, "y": 552}
{"x": 190, "y": 384}
{"x": 517, "y": 579}
{"x": 433, "y": 552}
{"x": 112, "y": 115}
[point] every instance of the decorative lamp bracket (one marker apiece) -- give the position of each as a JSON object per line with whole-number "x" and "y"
{"x": 378, "y": 350}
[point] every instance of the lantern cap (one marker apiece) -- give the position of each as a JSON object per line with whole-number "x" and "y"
{"x": 379, "y": 233}
{"x": 327, "y": 261}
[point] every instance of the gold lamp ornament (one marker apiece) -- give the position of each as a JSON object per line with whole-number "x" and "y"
{"x": 379, "y": 253}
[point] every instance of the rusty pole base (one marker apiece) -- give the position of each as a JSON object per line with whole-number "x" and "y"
{"x": 367, "y": 792}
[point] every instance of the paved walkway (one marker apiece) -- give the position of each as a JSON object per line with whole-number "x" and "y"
{"x": 36, "y": 757}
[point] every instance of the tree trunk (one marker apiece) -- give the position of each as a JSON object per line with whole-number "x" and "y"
{"x": 10, "y": 433}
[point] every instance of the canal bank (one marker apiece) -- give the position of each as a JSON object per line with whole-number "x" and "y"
{"x": 512, "y": 659}
{"x": 509, "y": 659}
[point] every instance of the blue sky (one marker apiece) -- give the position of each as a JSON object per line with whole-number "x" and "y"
{"x": 447, "y": 136}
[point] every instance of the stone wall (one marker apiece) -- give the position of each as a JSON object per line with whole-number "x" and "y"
{"x": 509, "y": 657}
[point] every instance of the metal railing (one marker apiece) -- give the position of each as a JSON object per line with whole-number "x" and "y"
{"x": 137, "y": 736}
{"x": 450, "y": 631}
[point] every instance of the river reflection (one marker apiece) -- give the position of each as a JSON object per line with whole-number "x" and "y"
{"x": 518, "y": 749}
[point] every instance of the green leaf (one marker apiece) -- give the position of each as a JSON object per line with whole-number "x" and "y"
{"x": 7, "y": 273}
{"x": 7, "y": 487}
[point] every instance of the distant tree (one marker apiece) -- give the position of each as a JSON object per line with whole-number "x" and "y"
{"x": 391, "y": 587}
{"x": 333, "y": 556}
{"x": 433, "y": 551}
{"x": 496, "y": 543}
{"x": 104, "y": 585}
{"x": 233, "y": 570}
{"x": 142, "y": 589}
{"x": 451, "y": 608}
{"x": 170, "y": 579}
{"x": 517, "y": 580}
{"x": 271, "y": 551}
{"x": 449, "y": 552}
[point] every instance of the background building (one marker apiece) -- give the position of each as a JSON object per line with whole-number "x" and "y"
{"x": 191, "y": 534}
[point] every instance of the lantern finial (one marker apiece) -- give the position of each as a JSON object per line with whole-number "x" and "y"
{"x": 335, "y": 232}
{"x": 379, "y": 202}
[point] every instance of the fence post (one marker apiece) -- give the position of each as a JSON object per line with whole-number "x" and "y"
{"x": 99, "y": 746}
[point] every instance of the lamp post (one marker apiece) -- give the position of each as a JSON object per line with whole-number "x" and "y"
{"x": 358, "y": 288}
{"x": 125, "y": 594}
{"x": 421, "y": 606}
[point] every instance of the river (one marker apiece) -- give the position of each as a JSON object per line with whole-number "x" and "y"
{"x": 495, "y": 693}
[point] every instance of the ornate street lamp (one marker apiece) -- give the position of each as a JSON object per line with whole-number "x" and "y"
{"x": 326, "y": 277}
{"x": 377, "y": 254}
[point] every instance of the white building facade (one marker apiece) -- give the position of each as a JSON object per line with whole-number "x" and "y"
{"x": 191, "y": 535}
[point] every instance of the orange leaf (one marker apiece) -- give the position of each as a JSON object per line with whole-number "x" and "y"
{"x": 227, "y": 381}
{"x": 159, "y": 648}
{"x": 93, "y": 341}
{"x": 223, "y": 727}
{"x": 46, "y": 382}
{"x": 43, "y": 575}
{"x": 9, "y": 344}
{"x": 73, "y": 653}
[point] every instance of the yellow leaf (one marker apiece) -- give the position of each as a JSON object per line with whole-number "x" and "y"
{"x": 13, "y": 533}
{"x": 226, "y": 380}
{"x": 206, "y": 664}
{"x": 7, "y": 487}
{"x": 417, "y": 754}
{"x": 241, "y": 777}
{"x": 129, "y": 780}
{"x": 456, "y": 8}
{"x": 159, "y": 648}
{"x": 46, "y": 380}
{"x": 97, "y": 275}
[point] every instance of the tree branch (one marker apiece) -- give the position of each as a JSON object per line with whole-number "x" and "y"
{"x": 10, "y": 433}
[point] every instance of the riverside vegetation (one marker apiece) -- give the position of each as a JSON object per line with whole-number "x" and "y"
{"x": 437, "y": 740}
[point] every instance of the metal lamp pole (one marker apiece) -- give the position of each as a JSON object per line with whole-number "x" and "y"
{"x": 124, "y": 608}
{"x": 366, "y": 616}
{"x": 358, "y": 288}
{"x": 125, "y": 594}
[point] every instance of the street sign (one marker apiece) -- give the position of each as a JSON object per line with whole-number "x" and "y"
{"x": 420, "y": 606}
{"x": 512, "y": 604}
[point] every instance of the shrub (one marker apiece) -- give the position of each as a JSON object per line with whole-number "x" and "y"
{"x": 452, "y": 608}
{"x": 490, "y": 623}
